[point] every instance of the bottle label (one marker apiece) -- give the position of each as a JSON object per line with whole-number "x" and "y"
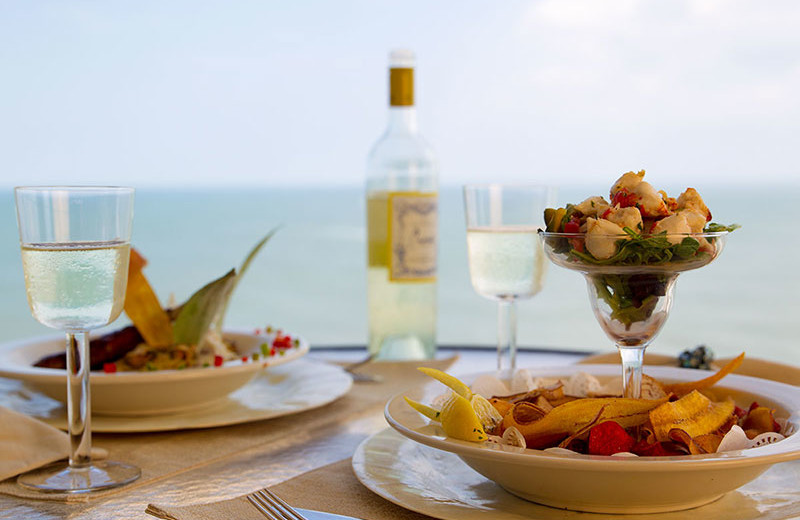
{"x": 412, "y": 236}
{"x": 401, "y": 87}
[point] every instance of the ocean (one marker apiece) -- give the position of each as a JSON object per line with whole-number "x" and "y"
{"x": 311, "y": 278}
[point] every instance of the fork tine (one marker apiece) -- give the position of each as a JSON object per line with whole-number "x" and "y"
{"x": 263, "y": 508}
{"x": 288, "y": 512}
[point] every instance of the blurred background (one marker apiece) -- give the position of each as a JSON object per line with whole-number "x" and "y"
{"x": 231, "y": 118}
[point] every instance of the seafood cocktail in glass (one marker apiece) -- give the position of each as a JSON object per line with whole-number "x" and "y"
{"x": 630, "y": 251}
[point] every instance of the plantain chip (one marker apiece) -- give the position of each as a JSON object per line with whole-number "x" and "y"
{"x": 700, "y": 445}
{"x": 571, "y": 417}
{"x": 143, "y": 308}
{"x": 759, "y": 420}
{"x": 681, "y": 389}
{"x": 694, "y": 413}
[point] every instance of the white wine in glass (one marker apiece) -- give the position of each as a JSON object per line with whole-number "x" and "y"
{"x": 75, "y": 245}
{"x": 506, "y": 260}
{"x": 76, "y": 286}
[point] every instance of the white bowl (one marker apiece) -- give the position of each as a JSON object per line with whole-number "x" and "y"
{"x": 614, "y": 484}
{"x": 143, "y": 393}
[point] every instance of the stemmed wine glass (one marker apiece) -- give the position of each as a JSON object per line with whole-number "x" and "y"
{"x": 631, "y": 302}
{"x": 506, "y": 261}
{"x": 75, "y": 247}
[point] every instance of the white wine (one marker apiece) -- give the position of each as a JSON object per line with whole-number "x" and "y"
{"x": 402, "y": 215}
{"x": 506, "y": 262}
{"x": 76, "y": 286}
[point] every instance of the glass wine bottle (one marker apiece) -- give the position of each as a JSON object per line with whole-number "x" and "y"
{"x": 402, "y": 207}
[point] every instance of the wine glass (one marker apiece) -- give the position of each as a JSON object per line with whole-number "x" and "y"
{"x": 75, "y": 247}
{"x": 506, "y": 262}
{"x": 631, "y": 302}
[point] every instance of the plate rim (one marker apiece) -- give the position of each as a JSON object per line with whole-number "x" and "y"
{"x": 100, "y": 423}
{"x": 448, "y": 510}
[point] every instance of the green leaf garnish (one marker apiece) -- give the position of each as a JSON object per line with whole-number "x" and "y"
{"x": 195, "y": 316}
{"x": 220, "y": 318}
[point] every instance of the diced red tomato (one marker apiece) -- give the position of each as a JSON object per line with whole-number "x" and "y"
{"x": 109, "y": 368}
{"x": 572, "y": 227}
{"x": 624, "y": 199}
{"x": 218, "y": 361}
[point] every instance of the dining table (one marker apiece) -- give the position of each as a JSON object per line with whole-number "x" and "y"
{"x": 306, "y": 457}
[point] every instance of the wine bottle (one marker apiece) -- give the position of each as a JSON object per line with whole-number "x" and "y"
{"x": 402, "y": 208}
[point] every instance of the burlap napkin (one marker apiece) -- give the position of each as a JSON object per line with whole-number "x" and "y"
{"x": 26, "y": 444}
{"x": 336, "y": 490}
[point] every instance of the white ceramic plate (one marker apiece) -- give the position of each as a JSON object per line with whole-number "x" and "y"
{"x": 613, "y": 484}
{"x": 143, "y": 393}
{"x": 440, "y": 485}
{"x": 278, "y": 391}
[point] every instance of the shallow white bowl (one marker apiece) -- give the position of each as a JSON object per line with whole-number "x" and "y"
{"x": 613, "y": 484}
{"x": 143, "y": 393}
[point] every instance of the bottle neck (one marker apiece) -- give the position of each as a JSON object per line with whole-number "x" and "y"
{"x": 402, "y": 120}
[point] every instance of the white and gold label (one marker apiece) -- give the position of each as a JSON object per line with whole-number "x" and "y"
{"x": 412, "y": 236}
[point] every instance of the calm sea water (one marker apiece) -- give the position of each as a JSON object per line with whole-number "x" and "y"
{"x": 311, "y": 278}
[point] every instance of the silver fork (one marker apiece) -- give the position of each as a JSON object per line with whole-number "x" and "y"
{"x": 272, "y": 506}
{"x": 360, "y": 377}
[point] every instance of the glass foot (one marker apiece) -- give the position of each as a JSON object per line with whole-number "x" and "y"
{"x": 59, "y": 477}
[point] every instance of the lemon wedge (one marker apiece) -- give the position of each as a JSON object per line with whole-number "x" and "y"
{"x": 460, "y": 421}
{"x": 487, "y": 414}
{"x": 454, "y": 383}
{"x": 424, "y": 409}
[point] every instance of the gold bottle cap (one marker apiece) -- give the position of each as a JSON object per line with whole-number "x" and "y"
{"x": 401, "y": 78}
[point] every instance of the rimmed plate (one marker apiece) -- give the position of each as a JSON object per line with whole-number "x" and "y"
{"x": 613, "y": 484}
{"x": 145, "y": 393}
{"x": 279, "y": 391}
{"x": 439, "y": 484}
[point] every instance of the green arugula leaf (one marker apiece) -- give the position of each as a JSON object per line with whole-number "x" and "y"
{"x": 713, "y": 227}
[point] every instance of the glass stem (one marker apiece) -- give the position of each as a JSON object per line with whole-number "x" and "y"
{"x": 78, "y": 399}
{"x": 506, "y": 338}
{"x": 632, "y": 358}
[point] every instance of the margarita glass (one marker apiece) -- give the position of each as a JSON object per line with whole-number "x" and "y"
{"x": 631, "y": 300}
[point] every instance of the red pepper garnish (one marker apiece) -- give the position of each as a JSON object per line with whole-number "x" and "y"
{"x": 109, "y": 368}
{"x": 244, "y": 359}
{"x": 282, "y": 342}
{"x": 218, "y": 361}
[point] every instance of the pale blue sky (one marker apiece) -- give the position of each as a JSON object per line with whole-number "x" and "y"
{"x": 196, "y": 93}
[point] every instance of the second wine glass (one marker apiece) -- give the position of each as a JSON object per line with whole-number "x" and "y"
{"x": 75, "y": 247}
{"x": 506, "y": 261}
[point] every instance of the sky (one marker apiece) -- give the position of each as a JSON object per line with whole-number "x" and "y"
{"x": 186, "y": 94}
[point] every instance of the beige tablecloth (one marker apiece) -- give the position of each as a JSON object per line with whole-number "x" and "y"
{"x": 162, "y": 456}
{"x": 332, "y": 488}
